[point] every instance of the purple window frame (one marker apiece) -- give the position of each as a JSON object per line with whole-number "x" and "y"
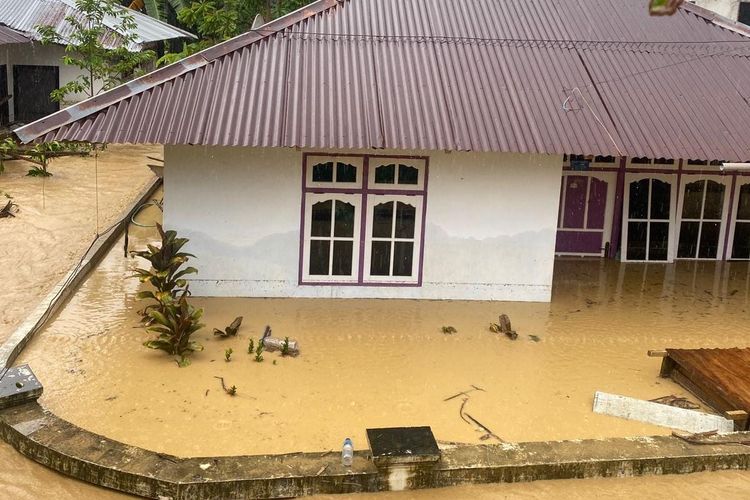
{"x": 364, "y": 190}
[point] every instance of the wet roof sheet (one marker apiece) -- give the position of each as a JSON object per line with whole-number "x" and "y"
{"x": 26, "y": 15}
{"x": 537, "y": 76}
{"x": 9, "y": 35}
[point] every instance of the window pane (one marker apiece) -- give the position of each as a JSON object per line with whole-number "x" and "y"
{"x": 323, "y": 172}
{"x": 385, "y": 174}
{"x": 597, "y": 204}
{"x": 403, "y": 255}
{"x": 321, "y": 218}
{"x": 636, "y": 249}
{"x": 406, "y": 216}
{"x": 346, "y": 172}
{"x": 344, "y": 223}
{"x": 408, "y": 175}
{"x": 660, "y": 197}
{"x": 382, "y": 220}
{"x": 743, "y": 209}
{"x": 342, "y": 258}
{"x": 691, "y": 206}
{"x": 576, "y": 188}
{"x": 380, "y": 259}
{"x": 688, "y": 240}
{"x": 709, "y": 240}
{"x": 658, "y": 241}
{"x": 741, "y": 246}
{"x": 714, "y": 200}
{"x": 319, "y": 257}
{"x": 638, "y": 205}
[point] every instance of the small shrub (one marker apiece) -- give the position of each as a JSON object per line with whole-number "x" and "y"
{"x": 228, "y": 355}
{"x": 285, "y": 347}
{"x": 259, "y": 351}
{"x": 175, "y": 323}
{"x": 251, "y": 347}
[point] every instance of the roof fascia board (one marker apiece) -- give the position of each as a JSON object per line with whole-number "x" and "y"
{"x": 44, "y": 126}
{"x": 717, "y": 19}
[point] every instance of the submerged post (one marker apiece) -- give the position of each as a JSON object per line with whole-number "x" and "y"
{"x": 405, "y": 457}
{"x": 19, "y": 385}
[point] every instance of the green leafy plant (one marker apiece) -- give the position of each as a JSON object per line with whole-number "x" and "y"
{"x": 108, "y": 55}
{"x": 215, "y": 21}
{"x": 251, "y": 347}
{"x": 166, "y": 274}
{"x": 285, "y": 347}
{"x": 170, "y": 315}
{"x": 174, "y": 323}
{"x": 259, "y": 351}
{"x": 228, "y": 355}
{"x": 40, "y": 155}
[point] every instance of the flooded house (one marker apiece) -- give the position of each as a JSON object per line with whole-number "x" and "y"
{"x": 30, "y": 71}
{"x": 439, "y": 149}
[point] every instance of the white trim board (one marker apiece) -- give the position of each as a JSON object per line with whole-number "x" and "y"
{"x": 659, "y": 414}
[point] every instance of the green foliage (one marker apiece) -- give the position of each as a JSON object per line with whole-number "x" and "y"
{"x": 228, "y": 355}
{"x": 85, "y": 48}
{"x": 285, "y": 347}
{"x": 215, "y": 21}
{"x": 165, "y": 275}
{"x": 251, "y": 347}
{"x": 170, "y": 316}
{"x": 174, "y": 323}
{"x": 259, "y": 351}
{"x": 40, "y": 155}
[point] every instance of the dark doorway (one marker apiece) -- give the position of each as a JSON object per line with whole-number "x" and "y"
{"x": 4, "y": 117}
{"x": 32, "y": 86}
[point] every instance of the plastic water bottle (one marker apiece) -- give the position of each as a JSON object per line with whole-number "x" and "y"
{"x": 347, "y": 453}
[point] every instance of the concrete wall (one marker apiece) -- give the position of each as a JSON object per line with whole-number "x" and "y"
{"x": 490, "y": 225}
{"x": 38, "y": 55}
{"x": 726, "y": 8}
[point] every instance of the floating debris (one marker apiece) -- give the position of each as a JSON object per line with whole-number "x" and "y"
{"x": 9, "y": 210}
{"x": 448, "y": 330}
{"x": 465, "y": 393}
{"x": 535, "y": 338}
{"x": 231, "y": 330}
{"x": 232, "y": 391}
{"x": 506, "y": 328}
{"x": 679, "y": 402}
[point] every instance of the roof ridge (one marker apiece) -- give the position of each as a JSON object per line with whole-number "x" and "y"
{"x": 94, "y": 104}
{"x": 717, "y": 19}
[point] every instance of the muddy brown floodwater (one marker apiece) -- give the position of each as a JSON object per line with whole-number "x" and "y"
{"x": 58, "y": 218}
{"x": 372, "y": 363}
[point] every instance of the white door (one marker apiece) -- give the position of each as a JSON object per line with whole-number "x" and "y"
{"x": 702, "y": 210}
{"x": 648, "y": 213}
{"x": 739, "y": 236}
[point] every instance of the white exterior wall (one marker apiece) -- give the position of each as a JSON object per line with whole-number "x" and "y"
{"x": 726, "y": 8}
{"x": 490, "y": 226}
{"x": 36, "y": 54}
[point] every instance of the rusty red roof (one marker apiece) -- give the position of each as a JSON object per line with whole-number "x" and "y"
{"x": 536, "y": 76}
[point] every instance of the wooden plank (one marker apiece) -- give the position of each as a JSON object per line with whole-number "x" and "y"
{"x": 654, "y": 353}
{"x": 659, "y": 414}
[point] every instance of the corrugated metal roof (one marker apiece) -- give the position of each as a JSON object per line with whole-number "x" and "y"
{"x": 9, "y": 35}
{"x": 537, "y": 76}
{"x": 26, "y": 15}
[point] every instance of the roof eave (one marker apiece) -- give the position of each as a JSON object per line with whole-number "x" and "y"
{"x": 43, "y": 126}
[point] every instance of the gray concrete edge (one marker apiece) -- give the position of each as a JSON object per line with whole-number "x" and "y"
{"x": 57, "y": 297}
{"x": 71, "y": 450}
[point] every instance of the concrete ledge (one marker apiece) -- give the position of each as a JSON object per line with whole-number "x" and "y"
{"x": 10, "y": 350}
{"x": 68, "y": 449}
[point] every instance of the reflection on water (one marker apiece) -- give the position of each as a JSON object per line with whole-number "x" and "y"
{"x": 371, "y": 363}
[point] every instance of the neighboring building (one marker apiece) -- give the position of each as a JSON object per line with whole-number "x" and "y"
{"x": 443, "y": 149}
{"x": 29, "y": 71}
